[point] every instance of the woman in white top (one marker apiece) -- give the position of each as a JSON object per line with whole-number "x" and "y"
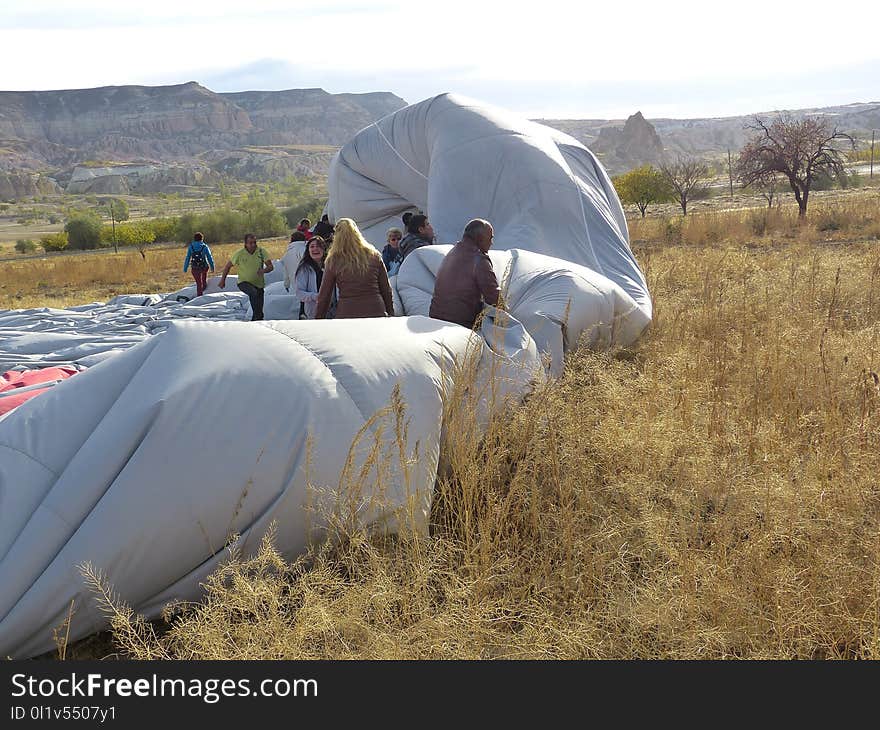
{"x": 296, "y": 249}
{"x": 309, "y": 274}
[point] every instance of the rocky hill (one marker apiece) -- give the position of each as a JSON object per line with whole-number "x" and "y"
{"x": 16, "y": 185}
{"x": 625, "y": 144}
{"x": 310, "y": 116}
{"x": 634, "y": 144}
{"x": 141, "y": 139}
{"x": 170, "y": 128}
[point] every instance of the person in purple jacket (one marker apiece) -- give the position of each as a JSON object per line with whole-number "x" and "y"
{"x": 199, "y": 260}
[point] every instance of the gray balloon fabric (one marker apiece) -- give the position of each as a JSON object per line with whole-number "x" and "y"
{"x": 458, "y": 159}
{"x": 182, "y": 432}
{"x": 560, "y": 304}
{"x": 145, "y": 464}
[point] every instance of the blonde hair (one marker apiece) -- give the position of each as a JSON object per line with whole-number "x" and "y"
{"x": 350, "y": 250}
{"x": 393, "y": 230}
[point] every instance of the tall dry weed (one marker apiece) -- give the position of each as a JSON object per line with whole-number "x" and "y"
{"x": 712, "y": 493}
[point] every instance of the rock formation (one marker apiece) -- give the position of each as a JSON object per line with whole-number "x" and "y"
{"x": 124, "y": 179}
{"x": 636, "y": 143}
{"x": 18, "y": 185}
{"x": 177, "y": 125}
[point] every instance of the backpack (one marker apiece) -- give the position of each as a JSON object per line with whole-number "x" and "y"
{"x": 197, "y": 259}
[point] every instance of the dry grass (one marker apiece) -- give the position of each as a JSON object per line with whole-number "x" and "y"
{"x": 834, "y": 216}
{"x": 79, "y": 278}
{"x": 710, "y": 494}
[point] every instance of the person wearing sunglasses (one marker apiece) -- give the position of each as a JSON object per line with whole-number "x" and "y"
{"x": 391, "y": 255}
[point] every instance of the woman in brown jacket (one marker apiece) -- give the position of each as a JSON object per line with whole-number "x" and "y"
{"x": 356, "y": 269}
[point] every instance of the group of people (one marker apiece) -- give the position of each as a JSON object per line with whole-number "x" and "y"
{"x": 335, "y": 272}
{"x": 419, "y": 232}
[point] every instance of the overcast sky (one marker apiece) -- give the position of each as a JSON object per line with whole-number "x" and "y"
{"x": 543, "y": 58}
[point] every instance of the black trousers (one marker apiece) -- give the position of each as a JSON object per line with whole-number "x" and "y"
{"x": 255, "y": 294}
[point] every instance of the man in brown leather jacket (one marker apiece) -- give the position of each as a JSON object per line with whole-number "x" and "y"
{"x": 466, "y": 278}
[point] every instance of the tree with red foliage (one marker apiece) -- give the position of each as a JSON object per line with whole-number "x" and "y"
{"x": 801, "y": 150}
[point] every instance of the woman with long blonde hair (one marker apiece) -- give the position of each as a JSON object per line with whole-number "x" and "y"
{"x": 355, "y": 268}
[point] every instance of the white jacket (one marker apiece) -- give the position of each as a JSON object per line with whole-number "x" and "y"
{"x": 307, "y": 289}
{"x": 290, "y": 260}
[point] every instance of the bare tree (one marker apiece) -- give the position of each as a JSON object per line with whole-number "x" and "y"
{"x": 770, "y": 185}
{"x": 801, "y": 150}
{"x": 687, "y": 178}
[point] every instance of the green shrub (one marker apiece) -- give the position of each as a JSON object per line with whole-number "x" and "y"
{"x": 261, "y": 217}
{"x": 223, "y": 224}
{"x": 253, "y": 215}
{"x": 84, "y": 231}
{"x": 187, "y": 224}
{"x": 312, "y": 208}
{"x": 165, "y": 229}
{"x": 852, "y": 179}
{"x": 54, "y": 241}
{"x": 25, "y": 245}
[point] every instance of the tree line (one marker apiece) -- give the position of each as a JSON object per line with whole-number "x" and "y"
{"x": 795, "y": 154}
{"x": 87, "y": 229}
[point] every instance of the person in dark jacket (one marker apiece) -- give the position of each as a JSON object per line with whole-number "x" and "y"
{"x": 324, "y": 228}
{"x": 355, "y": 269}
{"x": 199, "y": 255}
{"x": 466, "y": 279}
{"x": 420, "y": 233}
{"x": 391, "y": 256}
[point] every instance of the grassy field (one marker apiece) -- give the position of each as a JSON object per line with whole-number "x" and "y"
{"x": 67, "y": 279}
{"x": 710, "y": 493}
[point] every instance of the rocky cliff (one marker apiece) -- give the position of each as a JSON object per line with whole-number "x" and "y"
{"x": 269, "y": 163}
{"x": 17, "y": 185}
{"x": 310, "y": 116}
{"x": 48, "y": 130}
{"x": 634, "y": 144}
{"x": 144, "y": 178}
{"x": 122, "y": 121}
{"x": 189, "y": 135}
{"x": 622, "y": 145}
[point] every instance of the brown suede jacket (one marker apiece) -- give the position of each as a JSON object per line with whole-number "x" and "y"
{"x": 465, "y": 280}
{"x": 360, "y": 295}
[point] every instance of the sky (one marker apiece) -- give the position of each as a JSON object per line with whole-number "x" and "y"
{"x": 544, "y": 59}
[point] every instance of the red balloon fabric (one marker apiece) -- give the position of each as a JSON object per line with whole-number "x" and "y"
{"x": 17, "y": 387}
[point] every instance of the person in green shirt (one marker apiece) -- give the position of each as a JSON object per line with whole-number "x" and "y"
{"x": 252, "y": 262}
